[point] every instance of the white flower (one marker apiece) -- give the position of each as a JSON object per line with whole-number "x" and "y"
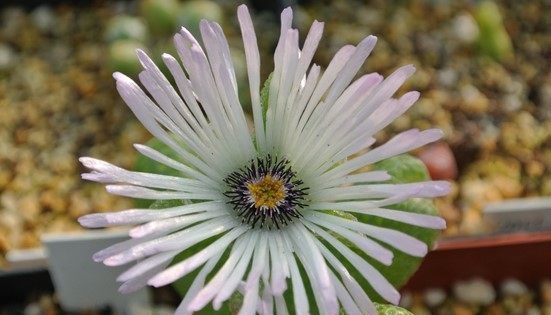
{"x": 263, "y": 197}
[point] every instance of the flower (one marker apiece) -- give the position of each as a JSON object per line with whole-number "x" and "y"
{"x": 263, "y": 199}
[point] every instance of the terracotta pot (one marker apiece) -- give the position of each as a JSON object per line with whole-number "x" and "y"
{"x": 524, "y": 256}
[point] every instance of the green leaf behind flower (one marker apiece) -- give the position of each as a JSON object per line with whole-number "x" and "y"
{"x": 183, "y": 284}
{"x": 403, "y": 169}
{"x": 265, "y": 97}
{"x": 386, "y": 309}
{"x": 146, "y": 165}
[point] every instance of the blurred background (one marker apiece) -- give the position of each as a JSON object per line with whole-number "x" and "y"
{"x": 482, "y": 68}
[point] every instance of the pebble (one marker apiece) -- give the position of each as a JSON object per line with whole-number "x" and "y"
{"x": 448, "y": 77}
{"x": 33, "y": 309}
{"x": 7, "y": 57}
{"x": 495, "y": 309}
{"x": 462, "y": 310}
{"x": 434, "y": 297}
{"x": 514, "y": 299}
{"x": 126, "y": 27}
{"x": 44, "y": 19}
{"x": 534, "y": 310}
{"x": 544, "y": 100}
{"x": 474, "y": 101}
{"x": 545, "y": 291}
{"x": 476, "y": 291}
{"x": 465, "y": 28}
{"x": 513, "y": 287}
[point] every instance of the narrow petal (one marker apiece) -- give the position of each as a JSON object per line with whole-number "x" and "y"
{"x": 175, "y": 241}
{"x": 146, "y": 265}
{"x": 197, "y": 285}
{"x": 184, "y": 267}
{"x": 135, "y": 216}
{"x": 345, "y": 299}
{"x": 357, "y": 292}
{"x": 397, "y": 239}
{"x": 241, "y": 249}
{"x": 233, "y": 281}
{"x": 303, "y": 240}
{"x": 367, "y": 245}
{"x": 374, "y": 277}
{"x": 299, "y": 292}
{"x": 252, "y": 57}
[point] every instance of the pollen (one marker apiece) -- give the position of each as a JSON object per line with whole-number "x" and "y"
{"x": 268, "y": 192}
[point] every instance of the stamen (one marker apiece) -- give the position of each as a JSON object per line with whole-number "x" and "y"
{"x": 266, "y": 193}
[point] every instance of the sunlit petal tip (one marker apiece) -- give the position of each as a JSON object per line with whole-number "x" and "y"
{"x": 157, "y": 282}
{"x": 120, "y": 77}
{"x": 443, "y": 224}
{"x": 387, "y": 258}
{"x": 410, "y": 97}
{"x": 167, "y": 56}
{"x": 409, "y": 69}
{"x": 395, "y": 299}
{"x": 116, "y": 260}
{"x": 94, "y": 220}
{"x": 433, "y": 135}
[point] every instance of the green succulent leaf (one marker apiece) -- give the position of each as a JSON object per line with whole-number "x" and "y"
{"x": 386, "y": 309}
{"x": 162, "y": 204}
{"x": 403, "y": 169}
{"x": 146, "y": 165}
{"x": 183, "y": 284}
{"x": 493, "y": 39}
{"x": 265, "y": 97}
{"x": 403, "y": 265}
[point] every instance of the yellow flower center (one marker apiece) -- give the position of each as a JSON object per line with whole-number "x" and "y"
{"x": 267, "y": 192}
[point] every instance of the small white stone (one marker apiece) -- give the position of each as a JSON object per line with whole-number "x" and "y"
{"x": 434, "y": 297}
{"x": 465, "y": 28}
{"x": 43, "y": 18}
{"x": 476, "y": 291}
{"x": 7, "y": 57}
{"x": 164, "y": 310}
{"x": 447, "y": 77}
{"x": 32, "y": 309}
{"x": 513, "y": 287}
{"x": 534, "y": 310}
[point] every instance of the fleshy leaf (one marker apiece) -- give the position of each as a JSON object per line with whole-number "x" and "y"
{"x": 183, "y": 284}
{"x": 403, "y": 265}
{"x": 162, "y": 204}
{"x": 265, "y": 97}
{"x": 403, "y": 169}
{"x": 493, "y": 39}
{"x": 146, "y": 165}
{"x": 387, "y": 309}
